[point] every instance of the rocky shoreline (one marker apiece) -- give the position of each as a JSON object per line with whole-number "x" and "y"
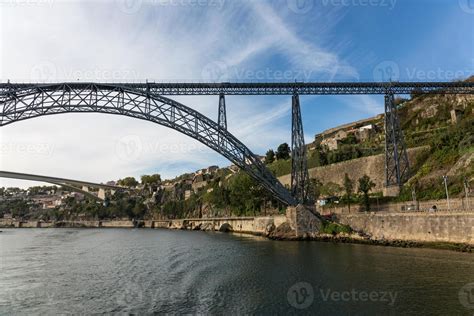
{"x": 285, "y": 233}
{"x": 358, "y": 238}
{"x": 282, "y": 232}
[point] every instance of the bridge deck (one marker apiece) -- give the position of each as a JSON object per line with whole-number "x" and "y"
{"x": 54, "y": 180}
{"x": 266, "y": 88}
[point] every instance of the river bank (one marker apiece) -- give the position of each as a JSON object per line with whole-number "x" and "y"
{"x": 447, "y": 230}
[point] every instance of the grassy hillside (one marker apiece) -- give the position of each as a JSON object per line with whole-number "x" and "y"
{"x": 425, "y": 120}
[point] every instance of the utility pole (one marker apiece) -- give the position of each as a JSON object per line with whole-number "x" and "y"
{"x": 445, "y": 179}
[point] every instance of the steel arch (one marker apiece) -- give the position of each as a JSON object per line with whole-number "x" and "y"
{"x": 19, "y": 104}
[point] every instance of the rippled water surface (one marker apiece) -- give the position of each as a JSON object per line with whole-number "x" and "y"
{"x": 52, "y": 271}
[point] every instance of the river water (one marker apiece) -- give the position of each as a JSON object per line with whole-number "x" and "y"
{"x": 142, "y": 271}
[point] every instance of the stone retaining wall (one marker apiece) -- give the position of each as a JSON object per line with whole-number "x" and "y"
{"x": 373, "y": 166}
{"x": 452, "y": 227}
{"x": 454, "y": 204}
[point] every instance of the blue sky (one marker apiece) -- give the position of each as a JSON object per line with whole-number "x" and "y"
{"x": 213, "y": 40}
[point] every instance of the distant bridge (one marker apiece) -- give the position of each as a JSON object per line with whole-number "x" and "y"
{"x": 74, "y": 185}
{"x": 146, "y": 101}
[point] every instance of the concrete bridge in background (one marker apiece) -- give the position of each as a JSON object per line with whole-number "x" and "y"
{"x": 74, "y": 185}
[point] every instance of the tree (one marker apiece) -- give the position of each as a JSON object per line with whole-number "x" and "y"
{"x": 365, "y": 185}
{"x": 330, "y": 189}
{"x": 151, "y": 182}
{"x": 283, "y": 151}
{"x": 349, "y": 189}
{"x": 139, "y": 210}
{"x": 315, "y": 188}
{"x": 128, "y": 182}
{"x": 246, "y": 196}
{"x": 270, "y": 156}
{"x": 154, "y": 179}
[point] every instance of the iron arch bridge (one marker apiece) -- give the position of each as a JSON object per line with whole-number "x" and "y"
{"x": 21, "y": 101}
{"x": 30, "y": 102}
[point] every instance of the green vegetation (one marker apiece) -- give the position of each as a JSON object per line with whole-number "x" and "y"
{"x": 349, "y": 190}
{"x": 446, "y": 148}
{"x": 333, "y": 228}
{"x": 270, "y": 156}
{"x": 283, "y": 152}
{"x": 365, "y": 186}
{"x": 130, "y": 182}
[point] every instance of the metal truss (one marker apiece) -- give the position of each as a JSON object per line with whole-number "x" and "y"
{"x": 303, "y": 88}
{"x": 396, "y": 158}
{"x": 21, "y": 103}
{"x": 299, "y": 167}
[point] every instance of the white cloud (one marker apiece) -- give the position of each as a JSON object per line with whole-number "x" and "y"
{"x": 365, "y": 104}
{"x": 93, "y": 41}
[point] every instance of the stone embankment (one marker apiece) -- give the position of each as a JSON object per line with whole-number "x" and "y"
{"x": 449, "y": 230}
{"x": 456, "y": 205}
{"x": 443, "y": 227}
{"x": 12, "y": 223}
{"x": 373, "y": 166}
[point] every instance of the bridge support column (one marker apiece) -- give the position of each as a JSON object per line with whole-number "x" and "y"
{"x": 396, "y": 158}
{"x": 299, "y": 167}
{"x": 101, "y": 194}
{"x": 303, "y": 221}
{"x": 222, "y": 117}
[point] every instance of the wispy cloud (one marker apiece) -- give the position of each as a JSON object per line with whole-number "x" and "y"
{"x": 365, "y": 104}
{"x": 92, "y": 41}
